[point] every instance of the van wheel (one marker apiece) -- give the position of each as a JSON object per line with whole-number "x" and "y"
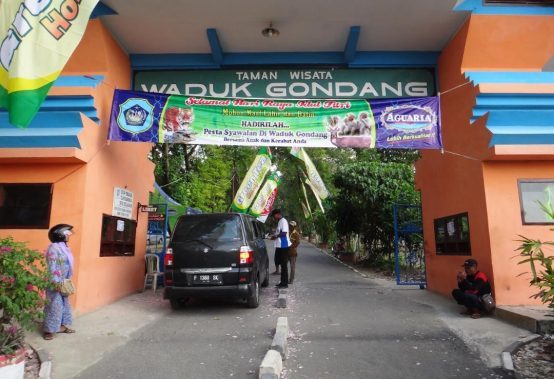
{"x": 254, "y": 300}
{"x": 177, "y": 304}
{"x": 265, "y": 283}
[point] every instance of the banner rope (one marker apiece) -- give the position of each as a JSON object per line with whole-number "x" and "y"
{"x": 443, "y": 150}
{"x": 459, "y": 155}
{"x": 452, "y": 89}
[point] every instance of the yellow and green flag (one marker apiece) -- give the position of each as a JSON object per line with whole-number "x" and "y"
{"x": 252, "y": 181}
{"x": 37, "y": 37}
{"x": 314, "y": 190}
{"x": 315, "y": 181}
{"x": 261, "y": 207}
{"x": 306, "y": 208}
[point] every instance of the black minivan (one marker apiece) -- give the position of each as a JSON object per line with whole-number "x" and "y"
{"x": 216, "y": 255}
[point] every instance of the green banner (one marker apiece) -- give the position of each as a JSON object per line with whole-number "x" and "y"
{"x": 294, "y": 83}
{"x": 252, "y": 181}
{"x": 393, "y": 123}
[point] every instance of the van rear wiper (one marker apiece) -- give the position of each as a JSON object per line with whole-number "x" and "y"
{"x": 197, "y": 240}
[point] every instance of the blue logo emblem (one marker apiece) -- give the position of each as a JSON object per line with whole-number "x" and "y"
{"x": 135, "y": 115}
{"x": 409, "y": 118}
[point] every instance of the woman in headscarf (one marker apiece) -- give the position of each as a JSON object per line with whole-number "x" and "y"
{"x": 57, "y": 312}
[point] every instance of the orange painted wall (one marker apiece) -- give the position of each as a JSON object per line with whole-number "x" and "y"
{"x": 67, "y": 205}
{"x": 452, "y": 182}
{"x": 83, "y": 192}
{"x": 105, "y": 279}
{"x": 504, "y": 209}
{"x": 510, "y": 43}
{"x": 464, "y": 178}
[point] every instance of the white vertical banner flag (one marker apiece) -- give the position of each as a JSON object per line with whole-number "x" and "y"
{"x": 315, "y": 179}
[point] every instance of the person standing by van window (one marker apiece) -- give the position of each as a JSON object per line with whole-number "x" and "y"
{"x": 57, "y": 312}
{"x": 282, "y": 245}
{"x": 293, "y": 253}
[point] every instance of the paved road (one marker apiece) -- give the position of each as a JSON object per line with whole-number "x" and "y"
{"x": 343, "y": 326}
{"x": 347, "y": 326}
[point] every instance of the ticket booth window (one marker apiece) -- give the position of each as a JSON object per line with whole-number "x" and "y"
{"x": 25, "y": 206}
{"x": 534, "y": 195}
{"x": 118, "y": 237}
{"x": 452, "y": 235}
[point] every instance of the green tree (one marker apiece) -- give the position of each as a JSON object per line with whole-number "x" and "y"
{"x": 174, "y": 166}
{"x": 363, "y": 184}
{"x": 204, "y": 177}
{"x": 366, "y": 192}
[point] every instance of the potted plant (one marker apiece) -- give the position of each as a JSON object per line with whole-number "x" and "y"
{"x": 23, "y": 279}
{"x": 539, "y": 256}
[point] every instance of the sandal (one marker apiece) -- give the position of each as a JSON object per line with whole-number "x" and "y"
{"x": 475, "y": 316}
{"x": 48, "y": 336}
{"x": 67, "y": 330}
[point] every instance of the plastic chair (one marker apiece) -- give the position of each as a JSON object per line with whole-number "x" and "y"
{"x": 152, "y": 271}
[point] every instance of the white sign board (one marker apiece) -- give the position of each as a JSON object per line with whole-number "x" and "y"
{"x": 122, "y": 203}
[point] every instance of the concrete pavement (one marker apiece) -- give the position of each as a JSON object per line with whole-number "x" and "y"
{"x": 342, "y": 326}
{"x": 487, "y": 337}
{"x": 100, "y": 332}
{"x": 349, "y": 326}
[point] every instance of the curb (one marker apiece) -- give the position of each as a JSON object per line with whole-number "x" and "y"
{"x": 506, "y": 355}
{"x": 282, "y": 301}
{"x": 272, "y": 364}
{"x": 279, "y": 342}
{"x": 45, "y": 371}
{"x": 343, "y": 263}
{"x": 281, "y": 298}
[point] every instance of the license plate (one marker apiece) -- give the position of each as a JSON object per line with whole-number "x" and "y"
{"x": 206, "y": 279}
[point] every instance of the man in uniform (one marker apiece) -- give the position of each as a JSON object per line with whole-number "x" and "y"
{"x": 295, "y": 241}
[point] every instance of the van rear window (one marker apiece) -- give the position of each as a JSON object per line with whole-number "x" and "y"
{"x": 207, "y": 227}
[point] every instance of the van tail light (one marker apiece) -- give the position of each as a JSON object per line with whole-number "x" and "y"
{"x": 246, "y": 255}
{"x": 168, "y": 258}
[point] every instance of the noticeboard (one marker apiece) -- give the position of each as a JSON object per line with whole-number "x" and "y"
{"x": 122, "y": 203}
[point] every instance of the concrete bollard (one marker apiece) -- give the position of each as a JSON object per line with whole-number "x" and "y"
{"x": 283, "y": 322}
{"x": 282, "y": 301}
{"x": 271, "y": 366}
{"x": 45, "y": 371}
{"x": 507, "y": 362}
{"x": 279, "y": 342}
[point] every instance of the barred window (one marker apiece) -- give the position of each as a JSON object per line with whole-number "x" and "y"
{"x": 25, "y": 205}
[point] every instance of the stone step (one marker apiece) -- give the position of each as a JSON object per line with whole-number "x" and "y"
{"x": 536, "y": 319}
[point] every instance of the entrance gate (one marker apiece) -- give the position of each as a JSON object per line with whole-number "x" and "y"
{"x": 408, "y": 245}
